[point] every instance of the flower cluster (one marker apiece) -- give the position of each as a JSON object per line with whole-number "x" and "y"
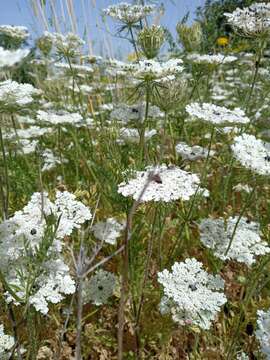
{"x": 99, "y": 288}
{"x": 53, "y": 284}
{"x": 127, "y": 13}
{"x": 242, "y": 356}
{"x": 68, "y": 45}
{"x": 252, "y": 153}
{"x": 162, "y": 183}
{"x": 191, "y": 295}
{"x": 252, "y": 20}
{"x": 192, "y": 153}
{"x": 15, "y": 96}
{"x": 6, "y": 344}
{"x": 136, "y": 112}
{"x": 25, "y": 235}
{"x": 217, "y": 115}
{"x": 132, "y": 135}
{"x": 215, "y": 59}
{"x": 51, "y": 160}
{"x": 246, "y": 244}
{"x": 16, "y": 33}
{"x": 60, "y": 118}
{"x": 263, "y": 330}
{"x": 11, "y": 57}
{"x": 85, "y": 69}
{"x": 108, "y": 231}
{"x": 154, "y": 70}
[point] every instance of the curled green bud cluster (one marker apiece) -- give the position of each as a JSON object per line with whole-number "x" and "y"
{"x": 150, "y": 40}
{"x": 172, "y": 94}
{"x": 45, "y": 44}
{"x": 190, "y": 36}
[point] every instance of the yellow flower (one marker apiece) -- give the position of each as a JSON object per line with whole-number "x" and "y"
{"x": 222, "y": 41}
{"x": 132, "y": 57}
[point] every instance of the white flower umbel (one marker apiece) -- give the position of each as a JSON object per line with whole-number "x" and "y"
{"x": 252, "y": 20}
{"x": 6, "y": 344}
{"x": 246, "y": 244}
{"x": 191, "y": 295}
{"x": 21, "y": 238}
{"x": 252, "y": 153}
{"x": 59, "y": 118}
{"x": 217, "y": 115}
{"x": 215, "y": 59}
{"x": 27, "y": 146}
{"x": 51, "y": 160}
{"x": 84, "y": 69}
{"x": 108, "y": 231}
{"x": 153, "y": 70}
{"x": 11, "y": 57}
{"x": 28, "y": 133}
{"x": 136, "y": 112}
{"x": 263, "y": 331}
{"x": 127, "y": 13}
{"x": 68, "y": 45}
{"x": 16, "y": 96}
{"x": 29, "y": 223}
{"x": 99, "y": 288}
{"x": 242, "y": 187}
{"x": 242, "y": 356}
{"x": 17, "y": 33}
{"x": 192, "y": 152}
{"x": 53, "y": 284}
{"x": 133, "y": 136}
{"x": 73, "y": 213}
{"x": 164, "y": 184}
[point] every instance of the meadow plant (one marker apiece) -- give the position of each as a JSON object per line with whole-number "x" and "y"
{"x": 134, "y": 193}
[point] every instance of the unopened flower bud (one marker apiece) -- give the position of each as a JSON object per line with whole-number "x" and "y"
{"x": 44, "y": 44}
{"x": 190, "y": 36}
{"x": 150, "y": 40}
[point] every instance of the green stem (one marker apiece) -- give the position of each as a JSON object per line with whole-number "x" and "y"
{"x": 239, "y": 218}
{"x": 143, "y": 147}
{"x": 32, "y": 334}
{"x": 134, "y": 42}
{"x": 6, "y": 204}
{"x": 259, "y": 56}
{"x": 249, "y": 294}
{"x": 195, "y": 197}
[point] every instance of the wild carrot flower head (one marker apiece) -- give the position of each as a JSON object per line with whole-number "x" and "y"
{"x": 252, "y": 153}
{"x": 24, "y": 237}
{"x": 15, "y": 97}
{"x": 11, "y": 57}
{"x": 216, "y": 234}
{"x": 191, "y": 295}
{"x": 128, "y": 14}
{"x": 100, "y": 287}
{"x": 216, "y": 115}
{"x": 251, "y": 21}
{"x": 263, "y": 330}
{"x": 68, "y": 45}
{"x": 192, "y": 152}
{"x": 149, "y": 70}
{"x": 6, "y": 344}
{"x": 59, "y": 118}
{"x": 13, "y": 36}
{"x": 108, "y": 231}
{"x": 131, "y": 135}
{"x": 162, "y": 183}
{"x": 215, "y": 59}
{"x": 124, "y": 113}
